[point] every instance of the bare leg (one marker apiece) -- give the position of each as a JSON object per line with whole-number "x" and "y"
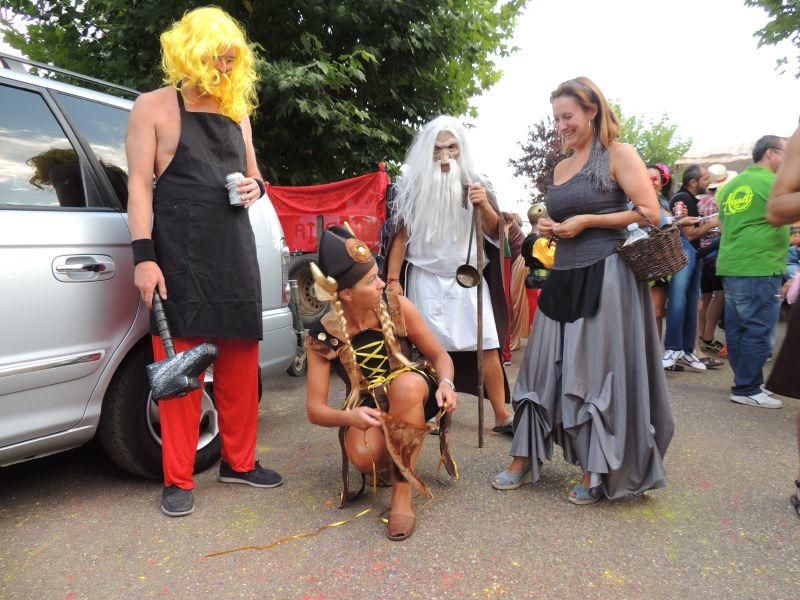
{"x": 365, "y": 447}
{"x": 659, "y": 297}
{"x": 407, "y": 396}
{"x": 519, "y": 464}
{"x": 495, "y": 386}
{"x": 713, "y": 314}
{"x": 702, "y": 315}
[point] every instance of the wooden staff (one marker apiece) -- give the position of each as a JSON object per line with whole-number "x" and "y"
{"x": 477, "y": 218}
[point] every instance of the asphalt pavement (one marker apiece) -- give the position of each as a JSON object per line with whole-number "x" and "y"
{"x": 75, "y": 526}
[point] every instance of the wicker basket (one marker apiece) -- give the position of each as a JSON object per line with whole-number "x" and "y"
{"x": 656, "y": 256}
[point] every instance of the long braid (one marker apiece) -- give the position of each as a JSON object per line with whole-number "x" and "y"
{"x": 390, "y": 334}
{"x": 349, "y": 359}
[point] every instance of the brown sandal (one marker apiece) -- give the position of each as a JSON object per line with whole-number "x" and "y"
{"x": 400, "y": 527}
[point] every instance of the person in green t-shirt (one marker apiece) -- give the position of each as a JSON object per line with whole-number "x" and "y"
{"x": 751, "y": 262}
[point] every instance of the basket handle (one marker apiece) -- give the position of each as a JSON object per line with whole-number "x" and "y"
{"x": 637, "y": 209}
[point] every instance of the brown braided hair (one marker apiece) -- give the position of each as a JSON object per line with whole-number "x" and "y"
{"x": 348, "y": 356}
{"x": 390, "y": 334}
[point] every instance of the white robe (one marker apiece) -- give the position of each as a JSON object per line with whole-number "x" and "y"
{"x": 449, "y": 310}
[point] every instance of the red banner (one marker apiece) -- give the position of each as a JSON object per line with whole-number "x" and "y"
{"x": 361, "y": 201}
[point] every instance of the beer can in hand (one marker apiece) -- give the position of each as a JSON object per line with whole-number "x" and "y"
{"x": 230, "y": 183}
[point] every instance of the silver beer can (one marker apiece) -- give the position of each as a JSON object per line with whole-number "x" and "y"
{"x": 230, "y": 183}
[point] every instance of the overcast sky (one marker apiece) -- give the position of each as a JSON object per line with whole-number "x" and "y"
{"x": 697, "y": 60}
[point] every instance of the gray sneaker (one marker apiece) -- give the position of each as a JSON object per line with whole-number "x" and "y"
{"x": 258, "y": 477}
{"x": 176, "y": 502}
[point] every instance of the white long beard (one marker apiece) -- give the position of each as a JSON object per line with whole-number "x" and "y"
{"x": 438, "y": 215}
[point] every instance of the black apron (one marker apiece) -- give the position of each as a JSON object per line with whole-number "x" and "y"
{"x": 206, "y": 247}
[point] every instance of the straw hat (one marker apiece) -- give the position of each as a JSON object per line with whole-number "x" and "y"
{"x": 719, "y": 176}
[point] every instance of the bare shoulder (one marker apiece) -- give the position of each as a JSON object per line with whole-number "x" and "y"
{"x": 407, "y": 308}
{"x": 623, "y": 158}
{"x": 621, "y": 151}
{"x": 156, "y": 98}
{"x": 564, "y": 164}
{"x": 151, "y": 105}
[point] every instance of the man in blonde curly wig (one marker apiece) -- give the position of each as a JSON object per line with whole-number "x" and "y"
{"x": 194, "y": 245}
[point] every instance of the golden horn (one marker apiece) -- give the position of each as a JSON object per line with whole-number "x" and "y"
{"x": 326, "y": 283}
{"x": 346, "y": 225}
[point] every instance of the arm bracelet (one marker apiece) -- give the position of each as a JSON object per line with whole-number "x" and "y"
{"x": 448, "y": 382}
{"x": 262, "y": 188}
{"x": 143, "y": 250}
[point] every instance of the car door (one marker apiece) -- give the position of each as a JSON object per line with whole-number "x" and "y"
{"x": 66, "y": 275}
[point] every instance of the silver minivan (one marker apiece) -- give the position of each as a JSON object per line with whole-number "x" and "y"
{"x": 73, "y": 332}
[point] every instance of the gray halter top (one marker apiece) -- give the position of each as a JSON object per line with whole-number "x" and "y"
{"x": 581, "y": 195}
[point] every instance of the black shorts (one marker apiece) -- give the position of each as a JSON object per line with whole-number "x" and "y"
{"x": 709, "y": 280}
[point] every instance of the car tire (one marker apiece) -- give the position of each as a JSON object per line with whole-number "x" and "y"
{"x": 128, "y": 431}
{"x": 299, "y": 364}
{"x": 311, "y": 308}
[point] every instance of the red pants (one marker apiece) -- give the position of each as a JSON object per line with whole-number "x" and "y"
{"x": 236, "y": 399}
{"x": 533, "y": 304}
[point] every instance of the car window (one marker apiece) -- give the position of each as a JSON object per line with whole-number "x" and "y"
{"x": 38, "y": 165}
{"x": 104, "y": 127}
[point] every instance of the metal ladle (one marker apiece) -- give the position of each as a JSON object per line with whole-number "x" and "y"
{"x": 467, "y": 276}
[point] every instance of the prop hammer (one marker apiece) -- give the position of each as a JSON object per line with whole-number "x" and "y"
{"x": 178, "y": 374}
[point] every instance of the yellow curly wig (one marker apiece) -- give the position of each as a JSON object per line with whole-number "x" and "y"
{"x": 190, "y": 48}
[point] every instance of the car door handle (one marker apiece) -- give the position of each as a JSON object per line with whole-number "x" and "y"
{"x": 78, "y": 267}
{"x": 91, "y": 267}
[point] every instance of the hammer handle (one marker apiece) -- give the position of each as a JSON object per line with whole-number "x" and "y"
{"x": 161, "y": 323}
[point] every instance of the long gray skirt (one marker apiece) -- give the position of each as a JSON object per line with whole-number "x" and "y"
{"x": 596, "y": 388}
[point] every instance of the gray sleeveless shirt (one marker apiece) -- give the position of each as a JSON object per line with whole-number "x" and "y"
{"x": 580, "y": 195}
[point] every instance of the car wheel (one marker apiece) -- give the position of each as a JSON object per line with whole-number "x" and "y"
{"x": 311, "y": 308}
{"x": 299, "y": 364}
{"x": 130, "y": 427}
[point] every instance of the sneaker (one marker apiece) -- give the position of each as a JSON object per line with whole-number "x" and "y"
{"x": 670, "y": 358}
{"x": 710, "y": 345}
{"x": 761, "y": 400}
{"x": 258, "y": 477}
{"x": 691, "y": 361}
{"x": 766, "y": 391}
{"x": 176, "y": 502}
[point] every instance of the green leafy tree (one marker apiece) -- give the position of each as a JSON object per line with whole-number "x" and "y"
{"x": 655, "y": 140}
{"x": 541, "y": 152}
{"x": 784, "y": 24}
{"x": 344, "y": 84}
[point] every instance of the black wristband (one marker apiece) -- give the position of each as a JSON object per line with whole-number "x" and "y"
{"x": 143, "y": 250}
{"x": 261, "y": 187}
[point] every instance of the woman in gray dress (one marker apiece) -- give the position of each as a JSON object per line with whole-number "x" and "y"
{"x": 591, "y": 379}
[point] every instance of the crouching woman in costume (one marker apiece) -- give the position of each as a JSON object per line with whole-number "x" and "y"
{"x": 368, "y": 337}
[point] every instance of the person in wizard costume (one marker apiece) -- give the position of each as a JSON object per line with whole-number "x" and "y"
{"x": 432, "y": 213}
{"x": 369, "y": 337}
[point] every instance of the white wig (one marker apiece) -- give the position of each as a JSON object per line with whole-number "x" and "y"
{"x": 427, "y": 201}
